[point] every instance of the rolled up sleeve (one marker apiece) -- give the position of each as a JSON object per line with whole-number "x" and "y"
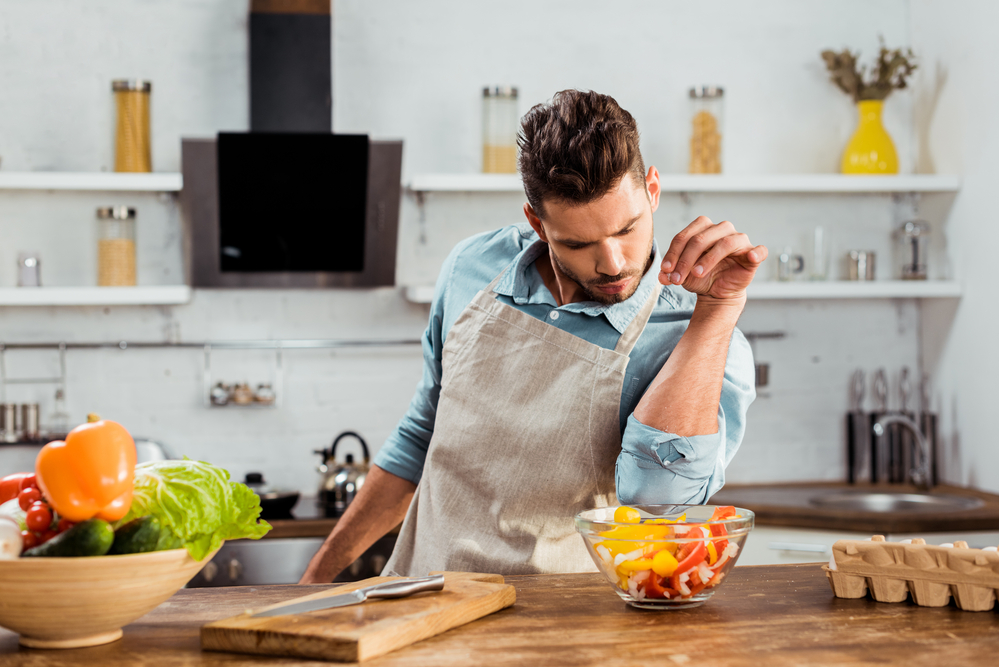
{"x": 656, "y": 467}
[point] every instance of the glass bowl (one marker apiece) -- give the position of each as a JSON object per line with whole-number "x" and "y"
{"x": 665, "y": 556}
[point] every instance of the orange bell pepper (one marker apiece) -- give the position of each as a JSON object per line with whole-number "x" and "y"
{"x": 91, "y": 473}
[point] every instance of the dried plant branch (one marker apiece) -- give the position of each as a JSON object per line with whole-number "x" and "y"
{"x": 891, "y": 72}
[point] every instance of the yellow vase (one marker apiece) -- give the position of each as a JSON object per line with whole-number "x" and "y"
{"x": 870, "y": 150}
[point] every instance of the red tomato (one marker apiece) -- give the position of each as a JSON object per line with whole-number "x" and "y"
{"x": 28, "y": 497}
{"x": 64, "y": 525}
{"x": 29, "y": 539}
{"x": 46, "y": 536}
{"x": 29, "y": 482}
{"x": 10, "y": 485}
{"x": 39, "y": 517}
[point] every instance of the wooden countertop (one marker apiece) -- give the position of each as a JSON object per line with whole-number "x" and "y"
{"x": 773, "y": 614}
{"x": 788, "y": 505}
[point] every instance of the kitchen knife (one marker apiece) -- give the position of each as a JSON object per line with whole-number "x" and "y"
{"x": 855, "y": 441}
{"x": 399, "y": 588}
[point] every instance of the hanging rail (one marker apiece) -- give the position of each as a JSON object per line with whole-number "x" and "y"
{"x": 292, "y": 344}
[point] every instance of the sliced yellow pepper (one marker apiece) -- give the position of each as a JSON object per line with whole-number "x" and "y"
{"x": 712, "y": 553}
{"x": 629, "y": 566}
{"x": 626, "y": 515}
{"x": 664, "y": 563}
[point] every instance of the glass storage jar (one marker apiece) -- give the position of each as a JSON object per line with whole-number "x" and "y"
{"x": 116, "y": 246}
{"x": 706, "y": 106}
{"x": 132, "y": 152}
{"x": 500, "y": 123}
{"x": 913, "y": 247}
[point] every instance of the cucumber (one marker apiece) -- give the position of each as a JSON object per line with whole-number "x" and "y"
{"x": 87, "y": 538}
{"x": 137, "y": 536}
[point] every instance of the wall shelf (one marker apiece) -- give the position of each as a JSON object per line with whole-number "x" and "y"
{"x": 722, "y": 183}
{"x": 157, "y": 295}
{"x": 93, "y": 181}
{"x": 848, "y": 289}
{"x": 829, "y": 289}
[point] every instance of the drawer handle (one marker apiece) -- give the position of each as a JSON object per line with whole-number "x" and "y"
{"x": 798, "y": 546}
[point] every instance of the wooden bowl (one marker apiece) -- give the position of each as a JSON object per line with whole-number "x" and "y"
{"x": 74, "y": 602}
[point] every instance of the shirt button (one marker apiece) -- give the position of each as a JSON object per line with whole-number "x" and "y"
{"x": 553, "y": 314}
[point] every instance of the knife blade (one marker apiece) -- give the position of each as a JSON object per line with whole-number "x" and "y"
{"x": 391, "y": 589}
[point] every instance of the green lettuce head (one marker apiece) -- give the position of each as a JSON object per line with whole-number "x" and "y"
{"x": 197, "y": 505}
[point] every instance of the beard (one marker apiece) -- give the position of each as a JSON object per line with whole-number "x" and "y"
{"x": 589, "y": 286}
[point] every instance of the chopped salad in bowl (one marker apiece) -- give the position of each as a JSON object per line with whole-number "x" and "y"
{"x": 665, "y": 556}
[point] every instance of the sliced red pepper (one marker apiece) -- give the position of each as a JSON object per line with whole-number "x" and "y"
{"x": 696, "y": 556}
{"x": 722, "y": 513}
{"x": 653, "y": 586}
{"x": 720, "y": 545}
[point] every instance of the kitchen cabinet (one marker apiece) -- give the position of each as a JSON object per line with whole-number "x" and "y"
{"x": 774, "y": 615}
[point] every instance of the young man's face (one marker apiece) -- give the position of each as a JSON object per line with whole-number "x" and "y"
{"x": 604, "y": 246}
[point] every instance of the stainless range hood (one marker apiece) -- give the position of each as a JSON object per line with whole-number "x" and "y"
{"x": 290, "y": 210}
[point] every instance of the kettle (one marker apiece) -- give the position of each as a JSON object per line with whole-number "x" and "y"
{"x": 341, "y": 482}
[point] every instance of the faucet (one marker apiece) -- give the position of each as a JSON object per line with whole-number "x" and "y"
{"x": 920, "y": 472}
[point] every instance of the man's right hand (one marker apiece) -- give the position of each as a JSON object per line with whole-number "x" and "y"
{"x": 379, "y": 506}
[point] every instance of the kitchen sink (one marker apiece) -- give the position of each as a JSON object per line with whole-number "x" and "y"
{"x": 874, "y": 501}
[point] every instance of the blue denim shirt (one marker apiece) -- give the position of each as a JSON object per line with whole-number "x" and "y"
{"x": 654, "y": 466}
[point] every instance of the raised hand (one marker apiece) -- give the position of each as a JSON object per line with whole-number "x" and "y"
{"x": 712, "y": 260}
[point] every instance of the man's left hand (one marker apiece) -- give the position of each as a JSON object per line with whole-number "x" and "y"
{"x": 713, "y": 261}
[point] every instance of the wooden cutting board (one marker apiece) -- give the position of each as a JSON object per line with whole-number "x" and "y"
{"x": 362, "y": 631}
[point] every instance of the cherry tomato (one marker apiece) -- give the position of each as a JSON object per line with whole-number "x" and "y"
{"x": 28, "y": 497}
{"x": 64, "y": 525}
{"x": 29, "y": 539}
{"x": 10, "y": 485}
{"x": 39, "y": 517}
{"x": 46, "y": 536}
{"x": 29, "y": 482}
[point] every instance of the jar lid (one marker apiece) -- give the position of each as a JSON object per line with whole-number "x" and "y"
{"x": 499, "y": 91}
{"x": 116, "y": 213}
{"x": 122, "y": 85}
{"x": 706, "y": 92}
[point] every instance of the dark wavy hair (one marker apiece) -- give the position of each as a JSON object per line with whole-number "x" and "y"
{"x": 577, "y": 147}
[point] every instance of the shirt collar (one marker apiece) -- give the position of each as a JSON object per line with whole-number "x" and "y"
{"x": 522, "y": 283}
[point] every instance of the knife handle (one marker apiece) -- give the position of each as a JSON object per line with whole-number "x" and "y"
{"x": 403, "y": 587}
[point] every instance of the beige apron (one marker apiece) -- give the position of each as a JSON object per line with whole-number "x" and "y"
{"x": 527, "y": 435}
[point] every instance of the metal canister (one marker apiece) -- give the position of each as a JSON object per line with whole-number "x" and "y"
{"x": 860, "y": 264}
{"x": 132, "y": 152}
{"x": 10, "y": 422}
{"x": 29, "y": 421}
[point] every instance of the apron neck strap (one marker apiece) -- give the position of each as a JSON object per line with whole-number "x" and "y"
{"x": 630, "y": 336}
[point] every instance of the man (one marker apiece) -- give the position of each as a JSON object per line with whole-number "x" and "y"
{"x": 561, "y": 368}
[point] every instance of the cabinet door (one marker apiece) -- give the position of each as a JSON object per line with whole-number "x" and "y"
{"x": 769, "y": 545}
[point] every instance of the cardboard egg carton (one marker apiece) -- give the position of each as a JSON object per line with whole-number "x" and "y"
{"x": 893, "y": 571}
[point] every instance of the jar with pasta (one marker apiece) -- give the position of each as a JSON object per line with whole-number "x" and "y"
{"x": 132, "y": 152}
{"x": 500, "y": 124}
{"x": 116, "y": 246}
{"x": 706, "y": 104}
